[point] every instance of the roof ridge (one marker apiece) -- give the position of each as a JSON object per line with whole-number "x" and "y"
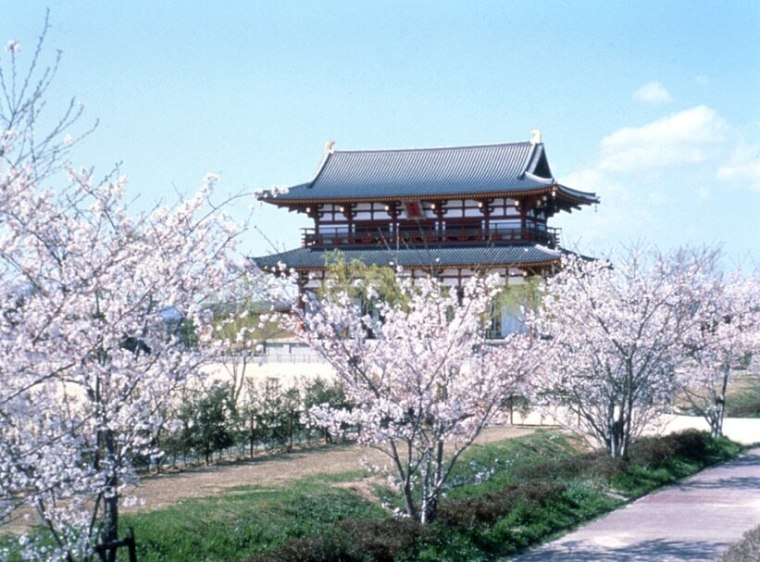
{"x": 321, "y": 168}
{"x": 431, "y": 148}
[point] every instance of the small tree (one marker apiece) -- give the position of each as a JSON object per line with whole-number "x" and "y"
{"x": 210, "y": 427}
{"x": 278, "y": 414}
{"x": 611, "y": 339}
{"x": 248, "y": 430}
{"x": 424, "y": 381}
{"x": 724, "y": 337}
{"x": 352, "y": 276}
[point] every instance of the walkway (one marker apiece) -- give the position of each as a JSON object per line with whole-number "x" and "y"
{"x": 694, "y": 521}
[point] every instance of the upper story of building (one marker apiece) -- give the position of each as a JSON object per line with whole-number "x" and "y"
{"x": 448, "y": 212}
{"x": 490, "y": 195}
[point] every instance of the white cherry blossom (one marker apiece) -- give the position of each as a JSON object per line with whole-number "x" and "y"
{"x": 424, "y": 379}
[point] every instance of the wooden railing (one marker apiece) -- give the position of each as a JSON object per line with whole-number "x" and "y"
{"x": 333, "y": 238}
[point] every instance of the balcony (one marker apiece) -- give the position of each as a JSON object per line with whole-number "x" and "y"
{"x": 339, "y": 238}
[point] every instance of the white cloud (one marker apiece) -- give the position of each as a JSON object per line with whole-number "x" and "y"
{"x": 653, "y": 92}
{"x": 743, "y": 167}
{"x": 625, "y": 213}
{"x": 660, "y": 182}
{"x": 590, "y": 178}
{"x": 686, "y": 137}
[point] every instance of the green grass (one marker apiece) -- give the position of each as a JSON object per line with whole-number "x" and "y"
{"x": 246, "y": 521}
{"x": 743, "y": 399}
{"x": 503, "y": 498}
{"x": 484, "y": 468}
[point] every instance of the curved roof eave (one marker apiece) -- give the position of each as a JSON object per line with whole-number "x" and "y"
{"x": 474, "y": 257}
{"x": 575, "y": 195}
{"x": 474, "y": 266}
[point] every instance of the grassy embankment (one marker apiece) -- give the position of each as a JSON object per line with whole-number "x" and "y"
{"x": 504, "y": 497}
{"x": 743, "y": 399}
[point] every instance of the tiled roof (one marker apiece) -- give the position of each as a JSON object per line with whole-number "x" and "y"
{"x": 421, "y": 173}
{"x": 464, "y": 256}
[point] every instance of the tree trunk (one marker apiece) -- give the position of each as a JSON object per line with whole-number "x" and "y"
{"x": 290, "y": 432}
{"x": 411, "y": 511}
{"x": 252, "y": 437}
{"x": 110, "y": 532}
{"x": 720, "y": 403}
{"x": 429, "y": 510}
{"x": 617, "y": 443}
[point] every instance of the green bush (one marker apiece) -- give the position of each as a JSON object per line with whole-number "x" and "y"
{"x": 657, "y": 461}
{"x": 470, "y": 512}
{"x": 651, "y": 451}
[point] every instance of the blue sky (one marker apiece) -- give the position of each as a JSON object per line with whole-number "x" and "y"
{"x": 651, "y": 104}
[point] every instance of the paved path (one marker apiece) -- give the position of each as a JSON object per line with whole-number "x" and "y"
{"x": 694, "y": 521}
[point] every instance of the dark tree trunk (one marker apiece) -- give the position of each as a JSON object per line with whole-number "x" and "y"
{"x": 110, "y": 532}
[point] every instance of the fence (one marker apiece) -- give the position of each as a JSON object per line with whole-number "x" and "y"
{"x": 279, "y": 352}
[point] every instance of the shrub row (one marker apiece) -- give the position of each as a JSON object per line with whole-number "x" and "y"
{"x": 264, "y": 416}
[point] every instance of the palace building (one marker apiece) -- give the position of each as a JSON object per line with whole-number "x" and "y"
{"x": 448, "y": 212}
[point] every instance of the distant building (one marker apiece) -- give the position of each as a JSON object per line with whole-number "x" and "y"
{"x": 449, "y": 212}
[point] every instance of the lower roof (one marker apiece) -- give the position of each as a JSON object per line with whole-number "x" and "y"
{"x": 314, "y": 259}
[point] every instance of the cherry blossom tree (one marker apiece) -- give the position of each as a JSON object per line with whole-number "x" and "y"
{"x": 422, "y": 377}
{"x": 612, "y": 339}
{"x": 96, "y": 304}
{"x": 726, "y": 334}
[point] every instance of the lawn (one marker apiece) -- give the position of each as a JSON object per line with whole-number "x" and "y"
{"x": 504, "y": 497}
{"x": 743, "y": 398}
